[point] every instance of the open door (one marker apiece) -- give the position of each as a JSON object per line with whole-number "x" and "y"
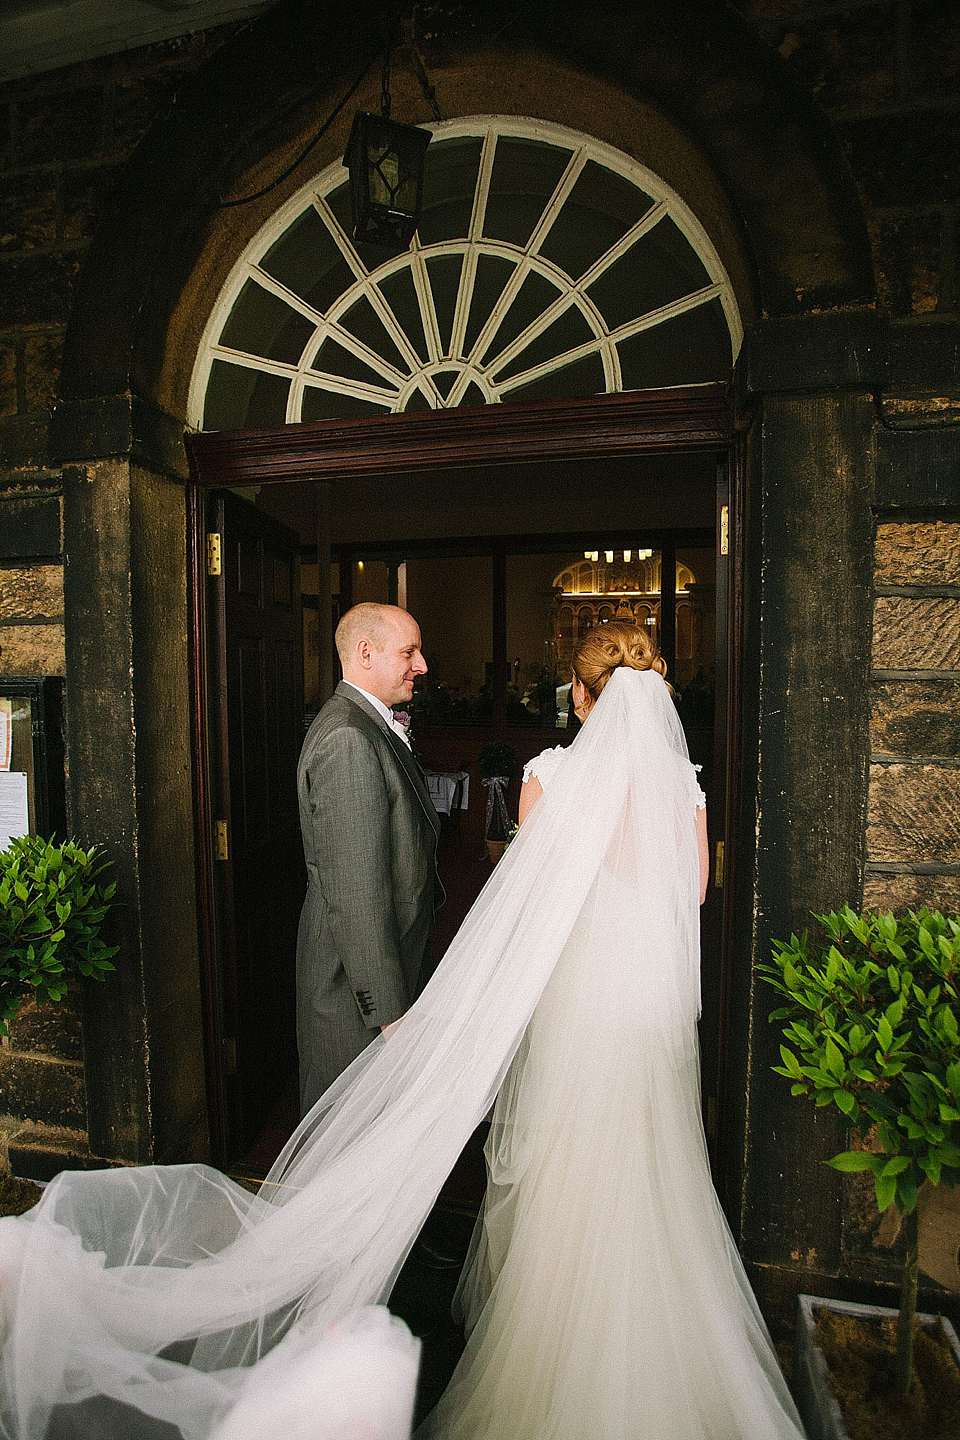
{"x": 254, "y": 705}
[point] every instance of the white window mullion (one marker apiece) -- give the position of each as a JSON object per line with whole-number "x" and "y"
{"x": 340, "y": 238}
{"x": 625, "y": 243}
{"x": 399, "y": 337}
{"x": 254, "y": 362}
{"x": 547, "y": 367}
{"x": 428, "y": 309}
{"x": 357, "y": 389}
{"x": 665, "y": 312}
{"x": 468, "y": 270}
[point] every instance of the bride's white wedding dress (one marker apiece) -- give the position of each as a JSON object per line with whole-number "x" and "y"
{"x": 167, "y": 1302}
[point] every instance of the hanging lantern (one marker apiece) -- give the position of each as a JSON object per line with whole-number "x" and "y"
{"x": 385, "y": 161}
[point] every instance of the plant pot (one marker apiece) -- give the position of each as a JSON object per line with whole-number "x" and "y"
{"x": 495, "y": 849}
{"x": 813, "y": 1392}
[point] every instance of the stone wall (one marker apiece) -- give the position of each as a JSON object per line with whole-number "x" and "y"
{"x": 63, "y": 138}
{"x": 913, "y": 830}
{"x": 887, "y": 74}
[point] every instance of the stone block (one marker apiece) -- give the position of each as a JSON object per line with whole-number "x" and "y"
{"x": 918, "y": 552}
{"x": 29, "y": 527}
{"x": 48, "y": 1091}
{"x": 925, "y": 361}
{"x": 51, "y": 1030}
{"x": 37, "y": 289}
{"x": 23, "y": 441}
{"x": 907, "y": 158}
{"x": 908, "y": 254}
{"x": 916, "y": 634}
{"x": 28, "y": 210}
{"x": 918, "y": 466}
{"x": 846, "y": 59}
{"x": 32, "y": 592}
{"x": 935, "y": 40}
{"x": 61, "y": 125}
{"x": 8, "y": 380}
{"x": 83, "y": 190}
{"x": 914, "y": 814}
{"x": 900, "y": 893}
{"x": 42, "y": 357}
{"x": 32, "y": 650}
{"x": 39, "y": 1152}
{"x": 916, "y": 717}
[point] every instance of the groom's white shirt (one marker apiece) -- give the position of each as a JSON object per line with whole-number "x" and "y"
{"x": 383, "y": 710}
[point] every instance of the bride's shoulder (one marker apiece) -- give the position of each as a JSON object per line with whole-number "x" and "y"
{"x": 543, "y": 765}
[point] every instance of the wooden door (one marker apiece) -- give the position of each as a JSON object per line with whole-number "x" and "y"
{"x": 255, "y": 727}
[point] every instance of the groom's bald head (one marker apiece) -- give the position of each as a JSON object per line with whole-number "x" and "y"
{"x": 365, "y": 622}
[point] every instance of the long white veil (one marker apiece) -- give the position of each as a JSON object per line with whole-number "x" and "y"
{"x": 173, "y": 1293}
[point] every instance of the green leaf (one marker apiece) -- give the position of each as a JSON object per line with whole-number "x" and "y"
{"x": 851, "y": 1161}
{"x": 845, "y": 1100}
{"x": 896, "y": 1166}
{"x": 884, "y": 1033}
{"x": 886, "y": 1188}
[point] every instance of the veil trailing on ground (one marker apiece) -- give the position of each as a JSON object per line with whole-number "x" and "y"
{"x": 174, "y": 1294}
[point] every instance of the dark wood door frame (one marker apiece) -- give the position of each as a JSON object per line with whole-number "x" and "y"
{"x": 694, "y": 418}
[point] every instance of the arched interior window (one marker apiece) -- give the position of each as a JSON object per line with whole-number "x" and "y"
{"x": 545, "y": 264}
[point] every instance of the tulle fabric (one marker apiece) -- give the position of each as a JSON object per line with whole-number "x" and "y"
{"x": 171, "y": 1294}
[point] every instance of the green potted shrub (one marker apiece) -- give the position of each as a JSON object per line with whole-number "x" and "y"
{"x": 497, "y": 762}
{"x": 871, "y": 1025}
{"x": 53, "y": 904}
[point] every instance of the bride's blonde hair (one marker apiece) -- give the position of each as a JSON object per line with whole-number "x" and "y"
{"x": 607, "y": 647}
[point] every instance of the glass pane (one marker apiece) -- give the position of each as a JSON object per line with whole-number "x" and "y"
{"x": 364, "y": 324}
{"x": 583, "y": 377}
{"x": 489, "y": 282}
{"x": 400, "y": 294}
{"x": 334, "y": 359}
{"x": 695, "y": 677}
{"x": 319, "y": 404}
{"x": 661, "y": 267}
{"x": 567, "y": 332}
{"x": 17, "y": 812}
{"x": 533, "y": 297}
{"x": 308, "y": 262}
{"x": 452, "y": 599}
{"x": 239, "y": 398}
{"x": 449, "y": 180}
{"x": 261, "y": 324}
{"x": 525, "y": 175}
{"x": 601, "y": 208}
{"x": 689, "y": 350}
{"x": 444, "y": 273}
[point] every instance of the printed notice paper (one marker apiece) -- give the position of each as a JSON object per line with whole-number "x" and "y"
{"x": 14, "y": 815}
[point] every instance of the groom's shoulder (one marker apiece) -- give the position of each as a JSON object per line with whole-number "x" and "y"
{"x": 340, "y": 718}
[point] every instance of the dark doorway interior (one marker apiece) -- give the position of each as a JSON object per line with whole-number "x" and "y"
{"x": 493, "y": 555}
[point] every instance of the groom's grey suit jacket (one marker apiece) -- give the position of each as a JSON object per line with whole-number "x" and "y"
{"x": 369, "y": 838}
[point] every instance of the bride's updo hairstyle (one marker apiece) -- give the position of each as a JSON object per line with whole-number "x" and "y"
{"x": 607, "y": 647}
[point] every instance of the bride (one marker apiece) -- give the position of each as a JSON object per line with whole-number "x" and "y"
{"x": 604, "y": 1293}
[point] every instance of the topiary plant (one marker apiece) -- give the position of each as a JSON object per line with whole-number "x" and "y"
{"x": 52, "y": 909}
{"x": 872, "y": 1027}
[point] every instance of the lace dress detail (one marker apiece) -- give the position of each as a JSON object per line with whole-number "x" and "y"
{"x": 544, "y": 765}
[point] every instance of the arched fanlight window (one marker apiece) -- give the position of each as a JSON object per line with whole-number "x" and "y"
{"x": 545, "y": 264}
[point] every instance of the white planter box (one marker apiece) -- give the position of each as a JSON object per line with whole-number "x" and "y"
{"x": 811, "y": 1378}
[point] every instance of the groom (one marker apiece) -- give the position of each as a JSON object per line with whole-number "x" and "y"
{"x": 369, "y": 837}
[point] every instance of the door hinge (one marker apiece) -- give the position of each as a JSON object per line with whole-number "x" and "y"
{"x": 223, "y": 850}
{"x": 213, "y": 552}
{"x": 718, "y": 866}
{"x": 724, "y": 529}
